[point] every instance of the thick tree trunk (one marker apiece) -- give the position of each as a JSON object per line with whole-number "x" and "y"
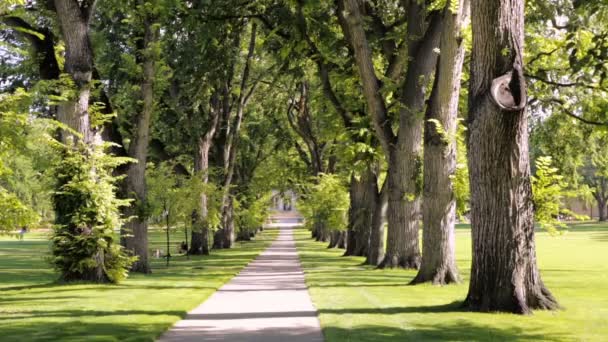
{"x": 504, "y": 272}
{"x": 199, "y": 244}
{"x": 342, "y": 240}
{"x": 224, "y": 237}
{"x": 376, "y": 242}
{"x": 439, "y": 206}
{"x": 322, "y": 233}
{"x": 74, "y": 22}
{"x": 404, "y": 189}
{"x": 404, "y": 151}
{"x": 73, "y": 17}
{"x": 360, "y": 213}
{"x": 334, "y": 237}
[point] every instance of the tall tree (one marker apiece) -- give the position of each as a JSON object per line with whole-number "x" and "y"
{"x": 404, "y": 149}
{"x": 439, "y": 204}
{"x": 504, "y": 272}
{"x": 232, "y": 119}
{"x": 136, "y": 239}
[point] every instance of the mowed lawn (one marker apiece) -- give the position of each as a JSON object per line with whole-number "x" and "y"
{"x": 34, "y": 308}
{"x": 358, "y": 303}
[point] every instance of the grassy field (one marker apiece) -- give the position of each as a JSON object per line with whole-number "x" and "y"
{"x": 358, "y": 303}
{"x": 34, "y": 308}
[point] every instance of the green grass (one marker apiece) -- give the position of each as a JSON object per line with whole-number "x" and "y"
{"x": 359, "y": 303}
{"x": 35, "y": 308}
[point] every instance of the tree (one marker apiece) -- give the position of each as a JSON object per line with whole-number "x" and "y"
{"x": 439, "y": 204}
{"x": 404, "y": 149}
{"x": 504, "y": 272}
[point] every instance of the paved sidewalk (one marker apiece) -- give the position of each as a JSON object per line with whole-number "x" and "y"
{"x": 268, "y": 301}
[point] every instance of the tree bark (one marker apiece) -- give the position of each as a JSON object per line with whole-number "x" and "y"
{"x": 439, "y": 205}
{"x": 360, "y": 213}
{"x": 74, "y": 19}
{"x": 137, "y": 239}
{"x": 601, "y": 196}
{"x": 376, "y": 242}
{"x": 226, "y": 233}
{"x": 404, "y": 151}
{"x": 200, "y": 232}
{"x": 504, "y": 272}
{"x": 601, "y": 209}
{"x": 224, "y": 238}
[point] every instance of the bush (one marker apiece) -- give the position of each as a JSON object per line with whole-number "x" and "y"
{"x": 86, "y": 212}
{"x": 325, "y": 206}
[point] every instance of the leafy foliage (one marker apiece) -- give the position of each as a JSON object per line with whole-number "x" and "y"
{"x": 548, "y": 187}
{"x": 326, "y": 204}
{"x": 87, "y": 212}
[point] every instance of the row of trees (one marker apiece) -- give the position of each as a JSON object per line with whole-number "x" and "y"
{"x": 357, "y": 105}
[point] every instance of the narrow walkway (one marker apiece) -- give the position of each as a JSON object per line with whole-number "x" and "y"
{"x": 268, "y": 301}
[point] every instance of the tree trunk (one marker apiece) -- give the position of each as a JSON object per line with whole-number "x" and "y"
{"x": 404, "y": 151}
{"x": 333, "y": 239}
{"x": 504, "y": 272}
{"x": 405, "y": 167}
{"x": 601, "y": 209}
{"x": 322, "y": 233}
{"x": 439, "y": 205}
{"x": 376, "y": 242}
{"x": 224, "y": 238}
{"x": 226, "y": 234}
{"x": 137, "y": 241}
{"x": 74, "y": 21}
{"x": 200, "y": 230}
{"x": 360, "y": 213}
{"x": 341, "y": 243}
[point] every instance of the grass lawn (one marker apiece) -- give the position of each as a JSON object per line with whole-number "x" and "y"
{"x": 359, "y": 303}
{"x": 34, "y": 308}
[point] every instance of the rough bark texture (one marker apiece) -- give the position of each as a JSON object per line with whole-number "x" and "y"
{"x": 200, "y": 232}
{"x": 439, "y": 205}
{"x": 137, "y": 239}
{"x": 404, "y": 151}
{"x": 360, "y": 213}
{"x": 224, "y": 237}
{"x": 74, "y": 19}
{"x": 405, "y": 158}
{"x": 504, "y": 272}
{"x": 376, "y": 241}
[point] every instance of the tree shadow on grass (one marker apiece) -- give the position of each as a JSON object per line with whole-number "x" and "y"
{"x": 455, "y": 306}
{"x": 80, "y": 330}
{"x": 437, "y": 331}
{"x": 84, "y": 313}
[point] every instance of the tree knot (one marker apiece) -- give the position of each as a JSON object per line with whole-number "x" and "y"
{"x": 509, "y": 90}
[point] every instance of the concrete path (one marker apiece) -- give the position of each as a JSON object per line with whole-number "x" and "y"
{"x": 268, "y": 301}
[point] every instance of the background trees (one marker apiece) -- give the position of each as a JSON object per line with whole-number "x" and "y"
{"x": 353, "y": 104}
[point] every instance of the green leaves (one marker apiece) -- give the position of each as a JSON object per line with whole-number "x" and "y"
{"x": 548, "y": 188}
{"x": 87, "y": 212}
{"x": 326, "y": 203}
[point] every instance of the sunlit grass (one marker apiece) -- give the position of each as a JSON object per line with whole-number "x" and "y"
{"x": 33, "y": 307}
{"x": 359, "y": 303}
